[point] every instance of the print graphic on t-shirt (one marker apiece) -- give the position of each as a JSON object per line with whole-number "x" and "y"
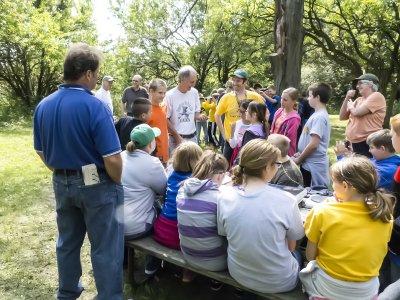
{"x": 184, "y": 111}
{"x": 234, "y": 112}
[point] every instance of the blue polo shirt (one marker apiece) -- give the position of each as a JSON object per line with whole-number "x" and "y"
{"x": 73, "y": 128}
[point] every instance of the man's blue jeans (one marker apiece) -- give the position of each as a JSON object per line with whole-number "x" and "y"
{"x": 98, "y": 210}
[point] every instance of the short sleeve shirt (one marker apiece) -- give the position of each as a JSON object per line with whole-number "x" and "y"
{"x": 159, "y": 119}
{"x": 130, "y": 95}
{"x": 229, "y": 105}
{"x": 359, "y": 128}
{"x": 351, "y": 246}
{"x": 181, "y": 109}
{"x": 257, "y": 225}
{"x": 73, "y": 128}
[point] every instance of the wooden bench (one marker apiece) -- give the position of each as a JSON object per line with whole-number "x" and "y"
{"x": 149, "y": 246}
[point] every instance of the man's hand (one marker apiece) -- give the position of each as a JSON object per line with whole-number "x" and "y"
{"x": 202, "y": 118}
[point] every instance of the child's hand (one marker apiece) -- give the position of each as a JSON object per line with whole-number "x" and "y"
{"x": 340, "y": 149}
{"x": 296, "y": 158}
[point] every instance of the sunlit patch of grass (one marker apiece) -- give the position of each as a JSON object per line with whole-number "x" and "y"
{"x": 28, "y": 232}
{"x": 337, "y": 134}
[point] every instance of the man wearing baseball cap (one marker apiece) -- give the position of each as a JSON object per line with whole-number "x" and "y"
{"x": 366, "y": 114}
{"x": 104, "y": 92}
{"x": 229, "y": 105}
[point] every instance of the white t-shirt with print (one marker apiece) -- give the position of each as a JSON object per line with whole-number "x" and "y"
{"x": 181, "y": 109}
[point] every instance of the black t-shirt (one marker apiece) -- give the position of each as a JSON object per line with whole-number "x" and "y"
{"x": 124, "y": 127}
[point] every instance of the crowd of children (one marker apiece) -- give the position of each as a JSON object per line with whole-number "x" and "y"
{"x": 213, "y": 225}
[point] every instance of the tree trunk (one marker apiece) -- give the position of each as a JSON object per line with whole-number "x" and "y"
{"x": 393, "y": 97}
{"x": 289, "y": 35}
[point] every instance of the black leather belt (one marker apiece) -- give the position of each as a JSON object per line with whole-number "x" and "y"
{"x": 188, "y": 136}
{"x": 69, "y": 172}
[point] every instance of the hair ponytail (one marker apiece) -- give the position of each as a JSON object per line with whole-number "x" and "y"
{"x": 237, "y": 175}
{"x": 260, "y": 109}
{"x": 265, "y": 127}
{"x": 380, "y": 205}
{"x": 255, "y": 156}
{"x": 130, "y": 147}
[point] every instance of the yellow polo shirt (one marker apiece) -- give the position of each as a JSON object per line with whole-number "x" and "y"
{"x": 351, "y": 246}
{"x": 228, "y": 105}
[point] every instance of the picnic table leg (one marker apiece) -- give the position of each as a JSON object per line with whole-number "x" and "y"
{"x": 131, "y": 262}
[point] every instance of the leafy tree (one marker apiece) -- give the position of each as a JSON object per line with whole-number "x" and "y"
{"x": 359, "y": 36}
{"x": 33, "y": 41}
{"x": 216, "y": 37}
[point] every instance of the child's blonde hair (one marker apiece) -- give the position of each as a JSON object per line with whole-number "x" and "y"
{"x": 292, "y": 92}
{"x": 254, "y": 157}
{"x": 186, "y": 156}
{"x": 360, "y": 173}
{"x": 395, "y": 124}
{"x": 209, "y": 164}
{"x": 281, "y": 142}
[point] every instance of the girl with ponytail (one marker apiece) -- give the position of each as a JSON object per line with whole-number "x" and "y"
{"x": 348, "y": 236}
{"x": 261, "y": 223}
{"x": 257, "y": 114}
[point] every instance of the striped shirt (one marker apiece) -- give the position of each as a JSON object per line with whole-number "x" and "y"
{"x": 201, "y": 245}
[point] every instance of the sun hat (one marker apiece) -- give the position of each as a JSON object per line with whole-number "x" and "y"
{"x": 143, "y": 134}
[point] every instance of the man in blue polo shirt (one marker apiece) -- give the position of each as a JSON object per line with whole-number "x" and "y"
{"x": 75, "y": 137}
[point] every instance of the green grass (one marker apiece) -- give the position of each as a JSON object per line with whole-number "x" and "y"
{"x": 337, "y": 134}
{"x": 28, "y": 230}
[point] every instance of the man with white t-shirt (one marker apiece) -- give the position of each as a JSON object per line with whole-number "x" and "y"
{"x": 183, "y": 108}
{"x": 104, "y": 92}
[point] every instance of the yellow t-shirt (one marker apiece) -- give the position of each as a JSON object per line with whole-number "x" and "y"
{"x": 211, "y": 107}
{"x": 351, "y": 246}
{"x": 228, "y": 105}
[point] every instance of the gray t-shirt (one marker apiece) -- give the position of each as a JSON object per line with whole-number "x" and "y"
{"x": 130, "y": 95}
{"x": 318, "y": 162}
{"x": 257, "y": 226}
{"x": 143, "y": 177}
